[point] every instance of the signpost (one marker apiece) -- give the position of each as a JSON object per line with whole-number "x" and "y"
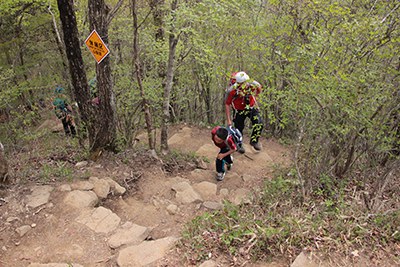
{"x": 96, "y": 46}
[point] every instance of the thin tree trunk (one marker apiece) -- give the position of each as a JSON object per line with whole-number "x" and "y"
{"x": 149, "y": 126}
{"x": 173, "y": 42}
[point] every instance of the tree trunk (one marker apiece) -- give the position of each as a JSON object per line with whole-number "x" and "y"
{"x": 77, "y": 71}
{"x": 173, "y": 42}
{"x": 64, "y": 74}
{"x": 98, "y": 12}
{"x": 149, "y": 126}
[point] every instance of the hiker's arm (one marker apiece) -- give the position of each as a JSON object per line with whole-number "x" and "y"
{"x": 223, "y": 155}
{"x": 228, "y": 114}
{"x": 69, "y": 107}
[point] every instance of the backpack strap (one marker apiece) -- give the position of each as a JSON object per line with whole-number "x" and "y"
{"x": 226, "y": 141}
{"x": 230, "y": 89}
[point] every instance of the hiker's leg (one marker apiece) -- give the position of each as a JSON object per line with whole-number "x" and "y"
{"x": 227, "y": 159}
{"x": 65, "y": 125}
{"x": 73, "y": 130}
{"x": 240, "y": 116}
{"x": 71, "y": 125}
{"x": 257, "y": 123}
{"x": 219, "y": 164}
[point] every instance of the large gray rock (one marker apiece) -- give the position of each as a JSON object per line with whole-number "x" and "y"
{"x": 206, "y": 190}
{"x": 100, "y": 220}
{"x": 210, "y": 151}
{"x": 186, "y": 194}
{"x": 3, "y": 164}
{"x": 180, "y": 137}
{"x": 39, "y": 196}
{"x": 81, "y": 199}
{"x": 202, "y": 175}
{"x": 129, "y": 233}
{"x": 82, "y": 185}
{"x": 145, "y": 253}
{"x": 101, "y": 187}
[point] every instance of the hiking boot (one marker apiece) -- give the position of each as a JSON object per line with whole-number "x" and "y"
{"x": 228, "y": 166}
{"x": 255, "y": 145}
{"x": 241, "y": 149}
{"x": 220, "y": 176}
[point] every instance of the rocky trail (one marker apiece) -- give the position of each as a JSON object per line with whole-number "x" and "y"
{"x": 122, "y": 215}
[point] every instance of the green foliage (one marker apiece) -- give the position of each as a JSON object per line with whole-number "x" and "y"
{"x": 329, "y": 78}
{"x": 279, "y": 222}
{"x": 179, "y": 158}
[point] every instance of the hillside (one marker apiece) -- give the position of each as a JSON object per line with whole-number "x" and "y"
{"x": 55, "y": 220}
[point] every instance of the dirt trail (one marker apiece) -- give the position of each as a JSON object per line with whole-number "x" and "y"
{"x": 55, "y": 236}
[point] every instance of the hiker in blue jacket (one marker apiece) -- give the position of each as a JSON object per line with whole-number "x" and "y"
{"x": 63, "y": 111}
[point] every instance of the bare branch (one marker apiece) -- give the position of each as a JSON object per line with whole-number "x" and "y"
{"x": 394, "y": 9}
{"x": 54, "y": 22}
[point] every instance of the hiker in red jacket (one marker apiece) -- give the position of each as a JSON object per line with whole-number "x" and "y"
{"x": 242, "y": 96}
{"x": 225, "y": 142}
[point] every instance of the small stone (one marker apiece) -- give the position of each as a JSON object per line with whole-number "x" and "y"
{"x": 247, "y": 177}
{"x": 172, "y": 209}
{"x": 23, "y": 230}
{"x": 12, "y": 219}
{"x": 33, "y": 225}
{"x": 212, "y": 205}
{"x": 81, "y": 164}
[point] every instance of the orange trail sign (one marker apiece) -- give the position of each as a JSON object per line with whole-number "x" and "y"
{"x": 96, "y": 46}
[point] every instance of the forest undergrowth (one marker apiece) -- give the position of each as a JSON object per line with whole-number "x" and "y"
{"x": 280, "y": 222}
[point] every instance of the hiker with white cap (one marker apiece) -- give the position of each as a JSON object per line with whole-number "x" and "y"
{"x": 242, "y": 96}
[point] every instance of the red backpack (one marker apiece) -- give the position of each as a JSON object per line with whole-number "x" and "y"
{"x": 232, "y": 81}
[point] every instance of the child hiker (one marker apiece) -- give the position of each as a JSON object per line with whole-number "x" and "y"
{"x": 226, "y": 142}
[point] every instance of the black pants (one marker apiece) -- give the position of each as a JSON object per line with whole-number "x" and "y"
{"x": 220, "y": 164}
{"x": 255, "y": 117}
{"x": 69, "y": 128}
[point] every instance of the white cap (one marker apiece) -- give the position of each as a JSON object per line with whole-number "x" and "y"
{"x": 241, "y": 77}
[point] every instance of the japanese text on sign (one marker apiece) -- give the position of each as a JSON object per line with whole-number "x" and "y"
{"x": 96, "y": 46}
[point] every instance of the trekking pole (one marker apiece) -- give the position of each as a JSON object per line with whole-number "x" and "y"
{"x": 248, "y": 157}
